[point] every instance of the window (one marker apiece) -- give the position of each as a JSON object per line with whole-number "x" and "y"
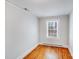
{"x": 52, "y": 29}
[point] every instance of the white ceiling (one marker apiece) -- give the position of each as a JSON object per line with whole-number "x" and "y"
{"x": 46, "y": 7}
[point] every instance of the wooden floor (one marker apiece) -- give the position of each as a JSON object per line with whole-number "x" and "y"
{"x": 49, "y": 52}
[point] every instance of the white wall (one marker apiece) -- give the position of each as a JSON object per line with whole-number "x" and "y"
{"x": 63, "y": 31}
{"x": 71, "y": 33}
{"x": 21, "y": 31}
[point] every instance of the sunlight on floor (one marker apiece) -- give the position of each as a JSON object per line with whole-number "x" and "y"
{"x": 50, "y": 55}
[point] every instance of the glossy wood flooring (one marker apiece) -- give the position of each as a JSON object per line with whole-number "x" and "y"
{"x": 49, "y": 52}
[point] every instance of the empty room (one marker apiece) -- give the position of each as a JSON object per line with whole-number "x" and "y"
{"x": 39, "y": 29}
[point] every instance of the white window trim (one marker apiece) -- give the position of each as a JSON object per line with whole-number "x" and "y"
{"x": 47, "y": 29}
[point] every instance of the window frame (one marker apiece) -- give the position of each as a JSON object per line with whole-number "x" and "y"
{"x": 56, "y": 29}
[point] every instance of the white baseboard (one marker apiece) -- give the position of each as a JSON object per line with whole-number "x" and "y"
{"x": 43, "y": 43}
{"x": 27, "y": 52}
{"x": 70, "y": 51}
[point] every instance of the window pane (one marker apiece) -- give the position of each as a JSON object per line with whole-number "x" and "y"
{"x": 52, "y": 29}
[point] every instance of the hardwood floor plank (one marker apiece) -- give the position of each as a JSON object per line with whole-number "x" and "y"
{"x": 49, "y": 52}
